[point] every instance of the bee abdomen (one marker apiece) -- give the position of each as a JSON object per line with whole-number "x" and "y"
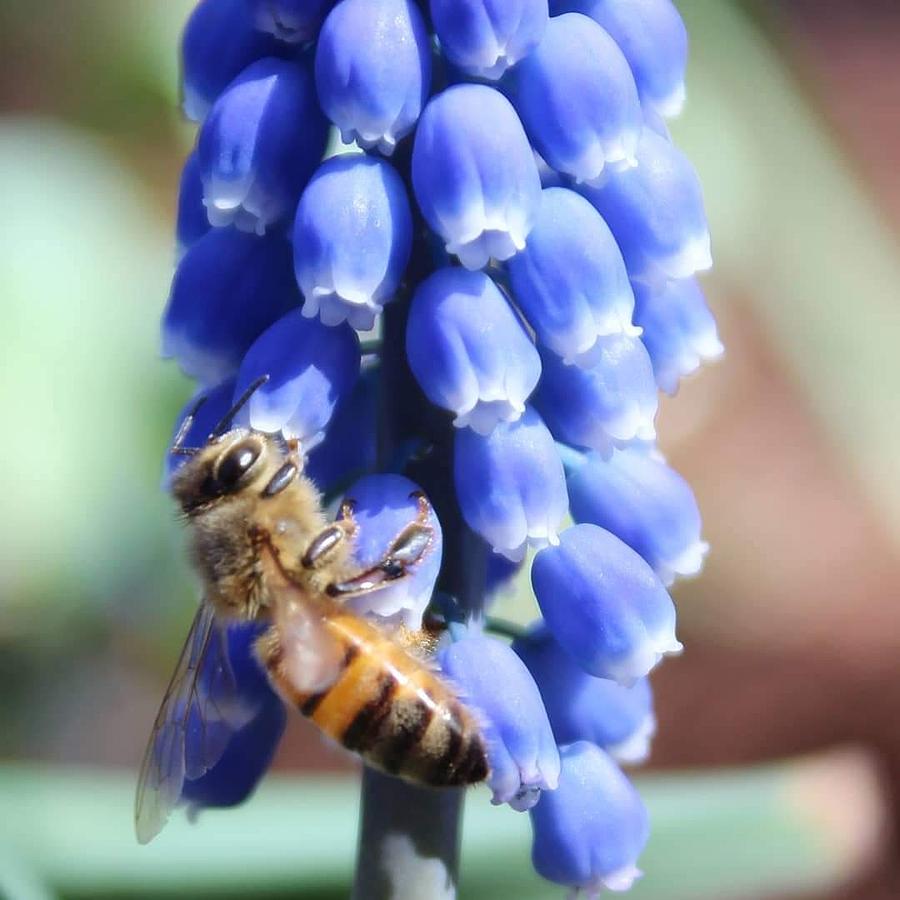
{"x": 406, "y": 723}
{"x": 427, "y": 739}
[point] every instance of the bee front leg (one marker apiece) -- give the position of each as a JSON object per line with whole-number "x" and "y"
{"x": 407, "y": 549}
{"x": 330, "y": 540}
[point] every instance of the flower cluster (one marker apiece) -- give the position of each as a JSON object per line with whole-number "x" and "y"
{"x": 486, "y": 189}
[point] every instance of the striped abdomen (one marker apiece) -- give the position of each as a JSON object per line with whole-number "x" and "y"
{"x": 391, "y": 709}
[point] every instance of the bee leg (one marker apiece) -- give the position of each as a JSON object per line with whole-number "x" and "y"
{"x": 420, "y": 642}
{"x": 408, "y": 548}
{"x": 330, "y": 540}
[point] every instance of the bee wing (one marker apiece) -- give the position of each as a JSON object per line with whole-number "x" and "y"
{"x": 199, "y": 713}
{"x": 310, "y": 648}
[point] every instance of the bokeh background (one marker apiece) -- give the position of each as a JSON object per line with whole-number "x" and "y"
{"x": 777, "y": 767}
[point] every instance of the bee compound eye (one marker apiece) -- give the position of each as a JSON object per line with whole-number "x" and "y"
{"x": 236, "y": 463}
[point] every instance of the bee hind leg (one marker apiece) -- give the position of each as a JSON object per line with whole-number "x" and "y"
{"x": 408, "y": 548}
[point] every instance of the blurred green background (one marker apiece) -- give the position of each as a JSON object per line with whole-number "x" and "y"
{"x": 778, "y": 759}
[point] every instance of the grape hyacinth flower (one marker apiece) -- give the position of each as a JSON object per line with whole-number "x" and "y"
{"x": 468, "y": 351}
{"x": 570, "y": 280}
{"x": 373, "y": 70}
{"x": 655, "y": 211}
{"x": 310, "y": 367}
{"x": 523, "y": 267}
{"x": 638, "y": 498}
{"x": 653, "y": 39}
{"x": 510, "y": 485}
{"x": 677, "y": 329}
{"x": 582, "y": 707}
{"x": 610, "y": 404}
{"x": 352, "y": 235}
{"x": 604, "y": 604}
{"x": 220, "y": 40}
{"x": 474, "y": 175}
{"x": 523, "y": 751}
{"x": 484, "y": 38}
{"x": 590, "y": 831}
{"x": 578, "y": 100}
{"x": 260, "y": 144}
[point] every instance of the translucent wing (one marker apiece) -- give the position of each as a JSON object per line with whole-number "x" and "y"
{"x": 200, "y": 712}
{"x": 309, "y": 641}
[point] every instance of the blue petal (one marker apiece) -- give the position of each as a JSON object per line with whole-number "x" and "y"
{"x": 655, "y": 211}
{"x": 191, "y": 222}
{"x": 679, "y": 331}
{"x": 578, "y": 100}
{"x": 637, "y": 497}
{"x": 610, "y": 404}
{"x": 521, "y": 750}
{"x": 652, "y": 37}
{"x": 510, "y": 484}
{"x": 228, "y": 288}
{"x": 584, "y": 708}
{"x": 352, "y": 238}
{"x": 249, "y": 752}
{"x": 570, "y": 280}
{"x": 373, "y": 70}
{"x": 474, "y": 174}
{"x": 468, "y": 351}
{"x": 291, "y": 21}
{"x": 485, "y": 37}
{"x": 383, "y": 505}
{"x": 590, "y": 831}
{"x": 604, "y": 604}
{"x": 218, "y": 43}
{"x": 259, "y": 145}
{"x": 348, "y": 448}
{"x": 310, "y": 368}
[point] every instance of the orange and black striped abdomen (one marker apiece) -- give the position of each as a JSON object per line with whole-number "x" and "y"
{"x": 396, "y": 713}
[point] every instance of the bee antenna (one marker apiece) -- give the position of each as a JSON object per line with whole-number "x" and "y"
{"x": 240, "y": 403}
{"x": 183, "y": 429}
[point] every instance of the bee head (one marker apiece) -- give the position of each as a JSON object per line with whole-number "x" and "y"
{"x": 232, "y": 460}
{"x": 226, "y": 466}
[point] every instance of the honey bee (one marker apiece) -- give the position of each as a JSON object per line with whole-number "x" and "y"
{"x": 264, "y": 552}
